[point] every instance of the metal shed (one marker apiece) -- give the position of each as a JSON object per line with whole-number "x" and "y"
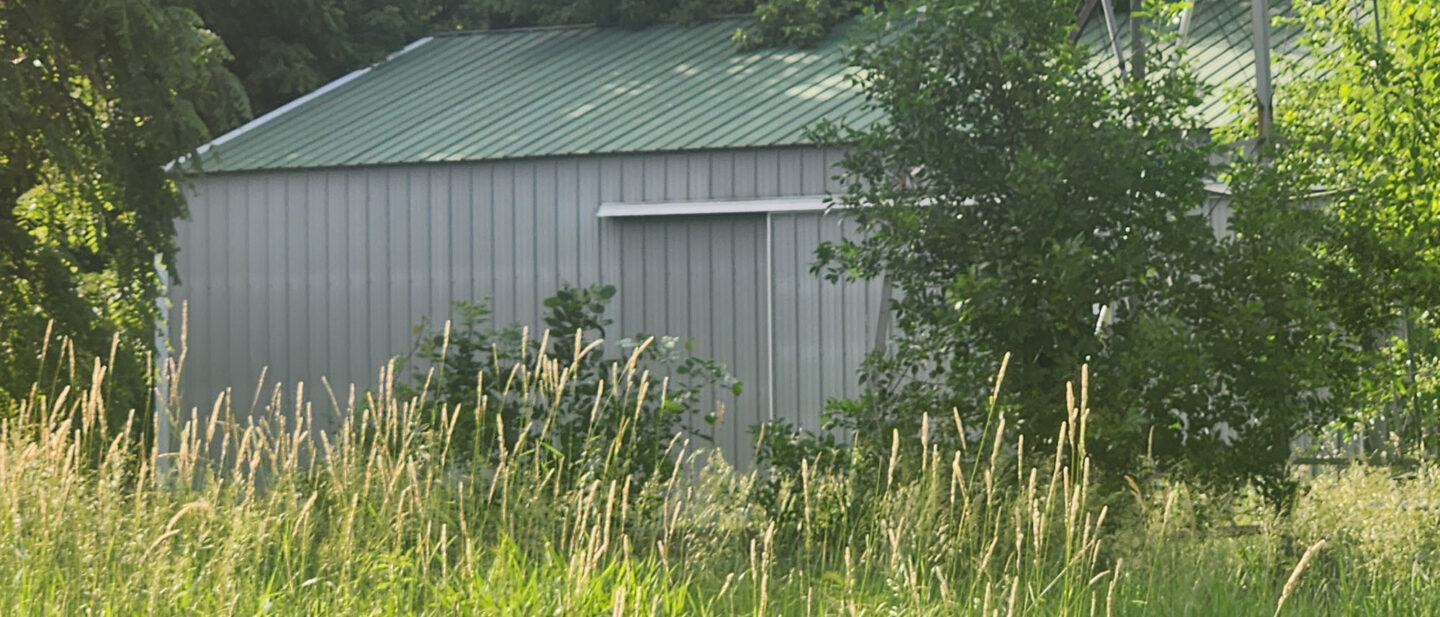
{"x": 500, "y": 165}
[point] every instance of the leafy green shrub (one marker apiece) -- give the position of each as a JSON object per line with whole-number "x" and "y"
{"x": 816, "y": 482}
{"x": 1399, "y": 390}
{"x": 471, "y": 364}
{"x": 1021, "y": 201}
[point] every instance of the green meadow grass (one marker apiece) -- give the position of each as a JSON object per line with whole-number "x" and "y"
{"x": 266, "y": 515}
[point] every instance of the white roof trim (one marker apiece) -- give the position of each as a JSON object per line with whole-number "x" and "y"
{"x": 288, "y": 107}
{"x": 680, "y": 208}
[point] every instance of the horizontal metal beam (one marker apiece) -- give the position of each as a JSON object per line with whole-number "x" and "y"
{"x": 761, "y": 206}
{"x": 693, "y": 208}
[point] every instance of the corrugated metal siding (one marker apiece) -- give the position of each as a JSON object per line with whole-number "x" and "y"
{"x": 324, "y": 272}
{"x": 822, "y": 329}
{"x": 1218, "y": 210}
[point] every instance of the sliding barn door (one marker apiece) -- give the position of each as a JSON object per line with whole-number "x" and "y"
{"x": 701, "y": 278}
{"x": 822, "y": 330}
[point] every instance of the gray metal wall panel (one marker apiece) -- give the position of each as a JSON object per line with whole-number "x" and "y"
{"x": 482, "y": 224}
{"x": 588, "y": 191}
{"x": 397, "y": 253}
{"x": 503, "y": 237}
{"x": 1218, "y": 210}
{"x": 247, "y": 249}
{"x": 722, "y": 175}
{"x": 833, "y": 171}
{"x": 822, "y": 329}
{"x": 286, "y": 302}
{"x": 698, "y": 278}
{"x": 201, "y": 202}
{"x": 324, "y": 272}
{"x": 524, "y": 305}
{"x": 556, "y": 189}
{"x": 814, "y": 175}
{"x": 378, "y": 308}
{"x": 439, "y": 274}
{"x": 767, "y": 174}
{"x": 677, "y": 178}
{"x": 355, "y": 249}
{"x": 319, "y": 347}
{"x": 420, "y": 271}
{"x": 746, "y": 176}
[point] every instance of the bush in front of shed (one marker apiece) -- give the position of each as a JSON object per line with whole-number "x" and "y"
{"x": 620, "y": 406}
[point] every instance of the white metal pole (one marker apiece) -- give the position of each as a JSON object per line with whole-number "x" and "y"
{"x": 1137, "y": 39}
{"x": 162, "y": 372}
{"x": 1186, "y": 15}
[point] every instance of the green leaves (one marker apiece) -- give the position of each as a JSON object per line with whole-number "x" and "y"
{"x": 1013, "y": 192}
{"x": 1360, "y": 126}
{"x": 599, "y": 403}
{"x": 95, "y": 99}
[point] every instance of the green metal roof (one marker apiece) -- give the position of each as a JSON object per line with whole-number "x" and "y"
{"x": 577, "y": 90}
{"x": 554, "y": 91}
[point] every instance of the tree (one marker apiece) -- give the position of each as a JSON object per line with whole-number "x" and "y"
{"x": 95, "y": 99}
{"x": 1359, "y": 128}
{"x": 286, "y": 48}
{"x": 1021, "y": 201}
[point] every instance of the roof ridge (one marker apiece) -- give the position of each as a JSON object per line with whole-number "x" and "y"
{"x": 586, "y": 26}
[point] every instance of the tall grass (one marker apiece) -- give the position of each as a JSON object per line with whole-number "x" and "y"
{"x": 267, "y": 513}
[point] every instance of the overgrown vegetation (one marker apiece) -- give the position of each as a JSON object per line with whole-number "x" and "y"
{"x": 1357, "y": 134}
{"x": 267, "y": 515}
{"x": 461, "y": 365}
{"x": 1021, "y": 200}
{"x": 1018, "y": 201}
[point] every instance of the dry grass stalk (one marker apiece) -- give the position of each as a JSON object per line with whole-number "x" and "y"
{"x": 1294, "y": 581}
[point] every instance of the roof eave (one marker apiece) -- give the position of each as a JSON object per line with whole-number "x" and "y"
{"x": 282, "y": 110}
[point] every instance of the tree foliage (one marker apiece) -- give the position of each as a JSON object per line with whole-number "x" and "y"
{"x": 95, "y": 99}
{"x": 1359, "y": 132}
{"x": 285, "y": 48}
{"x": 1021, "y": 201}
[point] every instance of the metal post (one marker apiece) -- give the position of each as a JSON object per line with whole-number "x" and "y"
{"x": 1185, "y": 16}
{"x": 770, "y": 310}
{"x": 1264, "y": 94}
{"x": 1083, "y": 18}
{"x": 1114, "y": 37}
{"x": 887, "y": 292}
{"x": 1137, "y": 39}
{"x": 162, "y": 372}
{"x": 882, "y": 322}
